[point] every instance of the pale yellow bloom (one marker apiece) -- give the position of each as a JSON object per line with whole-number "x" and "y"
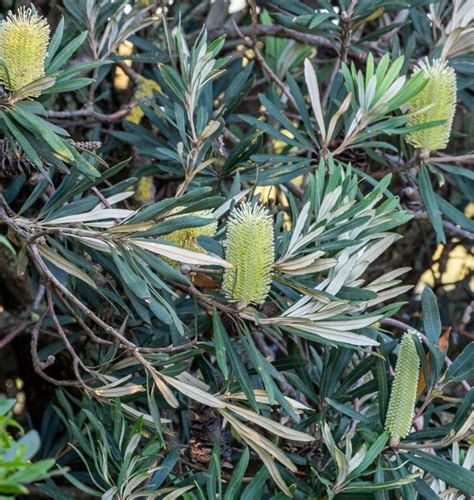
{"x": 250, "y": 249}
{"x": 24, "y": 40}
{"x": 437, "y": 101}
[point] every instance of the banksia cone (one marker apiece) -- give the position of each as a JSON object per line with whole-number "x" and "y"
{"x": 250, "y": 250}
{"x": 403, "y": 395}
{"x": 440, "y": 94}
{"x": 145, "y": 192}
{"x": 13, "y": 161}
{"x": 23, "y": 44}
{"x": 187, "y": 238}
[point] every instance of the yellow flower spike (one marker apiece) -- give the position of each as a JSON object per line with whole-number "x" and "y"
{"x": 187, "y": 237}
{"x": 439, "y": 97}
{"x": 250, "y": 250}
{"x": 403, "y": 393}
{"x": 144, "y": 89}
{"x": 145, "y": 192}
{"x": 24, "y": 40}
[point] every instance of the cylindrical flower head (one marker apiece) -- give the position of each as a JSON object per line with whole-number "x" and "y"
{"x": 440, "y": 95}
{"x": 403, "y": 394}
{"x": 187, "y": 237}
{"x": 24, "y": 40}
{"x": 250, "y": 250}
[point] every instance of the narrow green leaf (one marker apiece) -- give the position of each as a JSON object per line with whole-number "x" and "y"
{"x": 67, "y": 53}
{"x": 429, "y": 200}
{"x": 55, "y": 41}
{"x": 22, "y": 140}
{"x": 136, "y": 284}
{"x": 164, "y": 469}
{"x": 463, "y": 365}
{"x": 240, "y": 371}
{"x": 69, "y": 86}
{"x": 255, "y": 488}
{"x": 347, "y": 410}
{"x": 214, "y": 483}
{"x": 236, "y": 480}
{"x": 81, "y": 486}
{"x": 42, "y": 128}
{"x": 373, "y": 452}
{"x": 431, "y": 318}
{"x": 219, "y": 343}
{"x": 454, "y": 214}
{"x": 424, "y": 490}
{"x": 449, "y": 472}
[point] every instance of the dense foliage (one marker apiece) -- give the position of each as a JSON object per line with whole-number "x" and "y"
{"x": 226, "y": 243}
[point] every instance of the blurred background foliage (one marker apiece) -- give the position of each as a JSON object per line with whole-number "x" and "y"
{"x": 160, "y": 135}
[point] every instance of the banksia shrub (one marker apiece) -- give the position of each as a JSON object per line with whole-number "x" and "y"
{"x": 250, "y": 250}
{"x": 201, "y": 249}
{"x": 23, "y": 44}
{"x": 187, "y": 238}
{"x": 403, "y": 395}
{"x": 439, "y": 97}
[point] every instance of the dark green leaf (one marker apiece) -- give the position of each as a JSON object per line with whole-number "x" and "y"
{"x": 431, "y": 318}
{"x": 429, "y": 200}
{"x": 453, "y": 474}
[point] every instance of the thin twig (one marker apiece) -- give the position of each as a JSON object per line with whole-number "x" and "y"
{"x": 38, "y": 365}
{"x": 449, "y": 226}
{"x": 101, "y": 197}
{"x": 230, "y": 31}
{"x": 453, "y": 159}
{"x": 92, "y": 113}
{"x": 13, "y": 334}
{"x": 129, "y": 71}
{"x": 266, "y": 68}
{"x": 76, "y": 359}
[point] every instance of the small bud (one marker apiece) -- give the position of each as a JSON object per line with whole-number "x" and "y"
{"x": 403, "y": 394}
{"x": 439, "y": 95}
{"x": 187, "y": 238}
{"x": 209, "y": 129}
{"x": 24, "y": 40}
{"x": 250, "y": 250}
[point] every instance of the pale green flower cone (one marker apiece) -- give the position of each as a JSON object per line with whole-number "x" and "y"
{"x": 24, "y": 40}
{"x": 439, "y": 99}
{"x": 403, "y": 394}
{"x": 250, "y": 250}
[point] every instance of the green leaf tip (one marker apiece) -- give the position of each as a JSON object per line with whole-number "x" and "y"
{"x": 250, "y": 250}
{"x": 436, "y": 101}
{"x": 403, "y": 394}
{"x": 24, "y": 40}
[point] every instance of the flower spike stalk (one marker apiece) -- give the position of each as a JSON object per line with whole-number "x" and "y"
{"x": 250, "y": 250}
{"x": 436, "y": 101}
{"x": 24, "y": 40}
{"x": 403, "y": 394}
